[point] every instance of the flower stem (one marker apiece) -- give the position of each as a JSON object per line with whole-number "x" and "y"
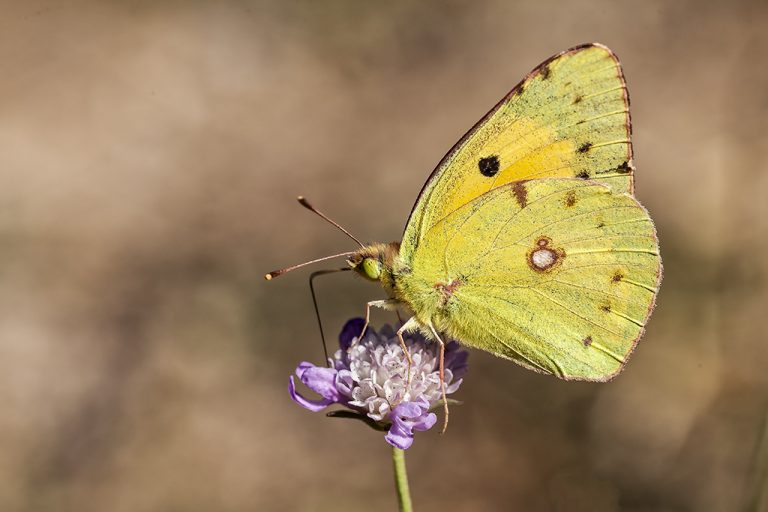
{"x": 401, "y": 480}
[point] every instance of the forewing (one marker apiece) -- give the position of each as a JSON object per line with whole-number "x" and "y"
{"x": 568, "y": 118}
{"x": 559, "y": 275}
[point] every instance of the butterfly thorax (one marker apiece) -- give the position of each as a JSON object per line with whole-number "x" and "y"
{"x": 425, "y": 294}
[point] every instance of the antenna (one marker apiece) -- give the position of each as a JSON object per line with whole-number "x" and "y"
{"x": 276, "y": 273}
{"x": 303, "y": 202}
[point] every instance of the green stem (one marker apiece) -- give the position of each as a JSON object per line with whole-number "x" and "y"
{"x": 401, "y": 480}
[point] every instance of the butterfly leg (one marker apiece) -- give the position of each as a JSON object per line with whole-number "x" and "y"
{"x": 442, "y": 376}
{"x": 410, "y": 325}
{"x": 383, "y": 304}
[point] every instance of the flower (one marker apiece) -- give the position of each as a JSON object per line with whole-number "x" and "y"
{"x": 368, "y": 376}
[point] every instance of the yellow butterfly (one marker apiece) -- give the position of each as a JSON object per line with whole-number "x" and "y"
{"x": 526, "y": 240}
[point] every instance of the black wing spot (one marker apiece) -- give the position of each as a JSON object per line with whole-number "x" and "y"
{"x": 584, "y": 175}
{"x": 622, "y": 168}
{"x": 606, "y": 307}
{"x": 617, "y": 276}
{"x": 585, "y": 147}
{"x": 489, "y": 165}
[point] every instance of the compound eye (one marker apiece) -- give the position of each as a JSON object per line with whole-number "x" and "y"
{"x": 372, "y": 268}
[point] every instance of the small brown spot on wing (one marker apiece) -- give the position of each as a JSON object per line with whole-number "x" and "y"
{"x": 521, "y": 193}
{"x": 617, "y": 276}
{"x": 606, "y": 307}
{"x": 585, "y": 147}
{"x": 570, "y": 198}
{"x": 446, "y": 290}
{"x": 577, "y": 99}
{"x": 545, "y": 72}
{"x": 587, "y": 341}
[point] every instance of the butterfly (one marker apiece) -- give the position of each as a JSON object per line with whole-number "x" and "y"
{"x": 527, "y": 241}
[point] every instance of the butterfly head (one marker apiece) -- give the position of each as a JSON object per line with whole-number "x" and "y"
{"x": 374, "y": 262}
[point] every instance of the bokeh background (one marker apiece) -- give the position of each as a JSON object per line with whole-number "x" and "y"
{"x": 150, "y": 155}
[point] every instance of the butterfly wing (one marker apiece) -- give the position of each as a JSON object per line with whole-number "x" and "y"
{"x": 559, "y": 275}
{"x": 568, "y": 118}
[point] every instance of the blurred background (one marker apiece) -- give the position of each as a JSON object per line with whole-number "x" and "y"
{"x": 150, "y": 155}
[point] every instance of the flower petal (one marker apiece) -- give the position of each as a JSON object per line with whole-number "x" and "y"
{"x": 399, "y": 438}
{"x": 426, "y": 422}
{"x": 312, "y": 405}
{"x": 453, "y": 387}
{"x": 407, "y": 417}
{"x": 320, "y": 380}
{"x": 303, "y": 366}
{"x": 456, "y": 359}
{"x": 407, "y": 410}
{"x": 345, "y": 383}
{"x": 387, "y": 332}
{"x": 350, "y": 331}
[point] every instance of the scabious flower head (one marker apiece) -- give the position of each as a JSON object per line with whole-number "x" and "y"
{"x": 369, "y": 377}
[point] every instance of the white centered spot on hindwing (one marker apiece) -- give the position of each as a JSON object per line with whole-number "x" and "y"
{"x": 543, "y": 258}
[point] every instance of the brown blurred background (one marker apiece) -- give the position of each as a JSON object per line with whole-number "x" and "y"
{"x": 151, "y": 153}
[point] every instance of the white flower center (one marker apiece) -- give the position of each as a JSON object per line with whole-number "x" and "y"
{"x": 378, "y": 371}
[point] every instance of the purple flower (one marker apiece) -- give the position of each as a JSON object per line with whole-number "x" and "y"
{"x": 368, "y": 376}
